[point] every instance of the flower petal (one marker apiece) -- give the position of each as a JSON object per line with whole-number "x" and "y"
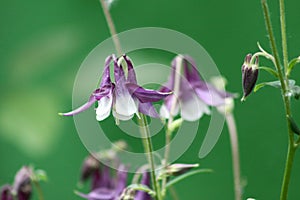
{"x": 146, "y": 95}
{"x": 192, "y": 108}
{"x": 209, "y": 94}
{"x": 190, "y": 69}
{"x": 122, "y": 117}
{"x": 165, "y": 109}
{"x": 104, "y": 107}
{"x": 81, "y": 108}
{"x": 125, "y": 104}
{"x": 106, "y": 73}
{"x": 148, "y": 109}
{"x": 131, "y": 77}
{"x": 141, "y": 195}
{"x": 6, "y": 193}
{"x": 99, "y": 194}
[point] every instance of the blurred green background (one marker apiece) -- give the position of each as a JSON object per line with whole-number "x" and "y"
{"x": 44, "y": 42}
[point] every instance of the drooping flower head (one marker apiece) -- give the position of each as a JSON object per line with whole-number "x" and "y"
{"x": 194, "y": 95}
{"x": 124, "y": 97}
{"x": 249, "y": 75}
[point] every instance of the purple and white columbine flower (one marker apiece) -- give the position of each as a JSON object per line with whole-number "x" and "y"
{"x": 194, "y": 96}
{"x": 124, "y": 97}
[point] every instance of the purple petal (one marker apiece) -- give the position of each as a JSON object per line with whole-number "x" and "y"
{"x": 131, "y": 77}
{"x": 99, "y": 194}
{"x": 82, "y": 108}
{"x": 121, "y": 180}
{"x": 6, "y": 193}
{"x": 145, "y": 95}
{"x": 209, "y": 94}
{"x": 118, "y": 72}
{"x": 190, "y": 69}
{"x": 106, "y": 73}
{"x": 141, "y": 195}
{"x": 148, "y": 109}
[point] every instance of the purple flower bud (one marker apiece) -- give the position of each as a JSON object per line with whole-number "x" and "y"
{"x": 249, "y": 75}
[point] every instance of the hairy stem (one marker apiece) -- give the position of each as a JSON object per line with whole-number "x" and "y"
{"x": 283, "y": 35}
{"x": 148, "y": 150}
{"x": 111, "y": 27}
{"x": 235, "y": 155}
{"x": 284, "y": 89}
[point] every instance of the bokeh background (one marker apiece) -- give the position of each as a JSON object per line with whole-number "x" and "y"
{"x": 44, "y": 42}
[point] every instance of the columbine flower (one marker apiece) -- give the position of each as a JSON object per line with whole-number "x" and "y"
{"x": 194, "y": 95}
{"x": 124, "y": 96}
{"x": 249, "y": 75}
{"x": 21, "y": 187}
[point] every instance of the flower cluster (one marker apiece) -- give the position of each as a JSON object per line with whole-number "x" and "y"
{"x": 126, "y": 98}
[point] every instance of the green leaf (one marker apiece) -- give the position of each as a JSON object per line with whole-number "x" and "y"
{"x": 39, "y": 175}
{"x": 183, "y": 176}
{"x": 292, "y": 64}
{"x": 270, "y": 70}
{"x": 275, "y": 84}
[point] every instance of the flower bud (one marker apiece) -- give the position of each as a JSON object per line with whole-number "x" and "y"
{"x": 178, "y": 169}
{"x": 249, "y": 75}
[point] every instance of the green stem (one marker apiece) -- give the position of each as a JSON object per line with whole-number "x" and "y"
{"x": 148, "y": 150}
{"x": 235, "y": 155}
{"x": 39, "y": 190}
{"x": 170, "y": 120}
{"x": 283, "y": 36}
{"x": 284, "y": 89}
{"x": 142, "y": 121}
{"x": 111, "y": 27}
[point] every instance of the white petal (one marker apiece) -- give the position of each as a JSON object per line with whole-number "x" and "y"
{"x": 193, "y": 108}
{"x": 122, "y": 117}
{"x": 164, "y": 112}
{"x": 125, "y": 105}
{"x": 104, "y": 107}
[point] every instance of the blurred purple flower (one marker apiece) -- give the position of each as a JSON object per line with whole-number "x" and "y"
{"x": 194, "y": 95}
{"x": 21, "y": 187}
{"x": 141, "y": 195}
{"x": 124, "y": 97}
{"x": 106, "y": 187}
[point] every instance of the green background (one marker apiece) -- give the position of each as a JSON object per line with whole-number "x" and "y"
{"x": 44, "y": 42}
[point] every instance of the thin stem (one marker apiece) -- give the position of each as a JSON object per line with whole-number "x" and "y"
{"x": 111, "y": 27}
{"x": 148, "y": 150}
{"x": 235, "y": 155}
{"x": 39, "y": 190}
{"x": 170, "y": 120}
{"x": 142, "y": 120}
{"x": 283, "y": 35}
{"x": 287, "y": 171}
{"x": 286, "y": 98}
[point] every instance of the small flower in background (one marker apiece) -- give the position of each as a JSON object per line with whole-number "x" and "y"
{"x": 21, "y": 188}
{"x": 249, "y": 75}
{"x": 124, "y": 97}
{"x": 106, "y": 186}
{"x": 194, "y": 96}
